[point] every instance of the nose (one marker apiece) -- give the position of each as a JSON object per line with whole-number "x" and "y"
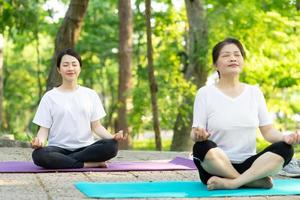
{"x": 232, "y": 57}
{"x": 70, "y": 67}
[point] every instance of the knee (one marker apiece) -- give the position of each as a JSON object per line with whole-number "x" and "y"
{"x": 200, "y": 149}
{"x": 213, "y": 155}
{"x": 285, "y": 150}
{"x": 38, "y": 157}
{"x": 112, "y": 147}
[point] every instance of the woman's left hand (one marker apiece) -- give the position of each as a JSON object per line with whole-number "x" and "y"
{"x": 293, "y": 138}
{"x": 120, "y": 136}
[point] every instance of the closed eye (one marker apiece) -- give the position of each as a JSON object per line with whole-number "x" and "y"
{"x": 225, "y": 55}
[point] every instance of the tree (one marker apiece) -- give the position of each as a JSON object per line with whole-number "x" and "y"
{"x": 125, "y": 52}
{"x": 67, "y": 36}
{"x": 196, "y": 71}
{"x": 1, "y": 78}
{"x": 269, "y": 31}
{"x": 14, "y": 22}
{"x": 152, "y": 81}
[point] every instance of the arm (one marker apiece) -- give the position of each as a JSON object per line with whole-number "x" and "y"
{"x": 99, "y": 130}
{"x": 269, "y": 133}
{"x": 198, "y": 132}
{"x": 272, "y": 135}
{"x": 40, "y": 140}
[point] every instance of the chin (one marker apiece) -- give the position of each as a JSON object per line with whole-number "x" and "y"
{"x": 236, "y": 70}
{"x": 71, "y": 79}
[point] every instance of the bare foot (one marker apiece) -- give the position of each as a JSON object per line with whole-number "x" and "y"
{"x": 95, "y": 164}
{"x": 216, "y": 183}
{"x": 265, "y": 182}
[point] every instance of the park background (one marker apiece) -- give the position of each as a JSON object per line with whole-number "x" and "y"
{"x": 146, "y": 60}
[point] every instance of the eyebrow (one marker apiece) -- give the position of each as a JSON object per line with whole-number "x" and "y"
{"x": 229, "y": 52}
{"x": 65, "y": 62}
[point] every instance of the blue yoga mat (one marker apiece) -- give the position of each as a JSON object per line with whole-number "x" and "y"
{"x": 179, "y": 189}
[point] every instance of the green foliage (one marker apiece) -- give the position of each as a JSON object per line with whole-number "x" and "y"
{"x": 297, "y": 152}
{"x": 27, "y": 50}
{"x": 261, "y": 144}
{"x": 21, "y": 86}
{"x": 97, "y": 45}
{"x": 168, "y": 46}
{"x": 269, "y": 29}
{"x": 149, "y": 144}
{"x": 21, "y": 17}
{"x": 270, "y": 32}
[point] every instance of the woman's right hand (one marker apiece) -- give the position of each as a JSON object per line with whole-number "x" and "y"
{"x": 36, "y": 143}
{"x": 119, "y": 136}
{"x": 199, "y": 134}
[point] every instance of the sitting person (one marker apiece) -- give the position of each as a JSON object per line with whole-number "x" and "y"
{"x": 67, "y": 116}
{"x": 226, "y": 117}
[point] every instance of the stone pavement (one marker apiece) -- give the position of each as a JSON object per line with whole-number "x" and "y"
{"x": 52, "y": 186}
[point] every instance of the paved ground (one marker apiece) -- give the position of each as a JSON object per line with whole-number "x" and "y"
{"x": 54, "y": 186}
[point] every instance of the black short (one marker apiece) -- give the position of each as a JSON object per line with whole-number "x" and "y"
{"x": 201, "y": 148}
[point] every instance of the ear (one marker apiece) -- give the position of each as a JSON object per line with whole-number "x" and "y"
{"x": 58, "y": 69}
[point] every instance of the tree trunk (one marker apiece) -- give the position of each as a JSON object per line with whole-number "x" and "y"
{"x": 1, "y": 80}
{"x": 67, "y": 36}
{"x": 125, "y": 53}
{"x": 298, "y": 5}
{"x": 196, "y": 72}
{"x": 152, "y": 81}
{"x": 38, "y": 62}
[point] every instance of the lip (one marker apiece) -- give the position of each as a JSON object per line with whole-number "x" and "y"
{"x": 233, "y": 65}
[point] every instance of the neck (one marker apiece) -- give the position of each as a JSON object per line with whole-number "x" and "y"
{"x": 68, "y": 86}
{"x": 229, "y": 82}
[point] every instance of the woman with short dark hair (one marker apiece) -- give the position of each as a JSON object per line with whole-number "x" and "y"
{"x": 68, "y": 115}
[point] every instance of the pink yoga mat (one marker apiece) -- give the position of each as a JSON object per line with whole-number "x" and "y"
{"x": 177, "y": 163}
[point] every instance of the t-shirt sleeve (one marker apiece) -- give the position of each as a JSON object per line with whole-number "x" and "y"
{"x": 43, "y": 114}
{"x": 263, "y": 114}
{"x": 98, "y": 111}
{"x": 200, "y": 113}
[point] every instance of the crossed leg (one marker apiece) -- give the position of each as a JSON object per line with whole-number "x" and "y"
{"x": 256, "y": 176}
{"x": 217, "y": 163}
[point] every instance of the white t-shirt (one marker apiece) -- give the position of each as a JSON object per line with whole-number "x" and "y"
{"x": 68, "y": 115}
{"x": 232, "y": 122}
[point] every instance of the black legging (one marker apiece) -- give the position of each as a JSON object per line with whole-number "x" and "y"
{"x": 200, "y": 149}
{"x": 52, "y": 157}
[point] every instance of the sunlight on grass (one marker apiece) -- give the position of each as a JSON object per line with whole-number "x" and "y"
{"x": 149, "y": 144}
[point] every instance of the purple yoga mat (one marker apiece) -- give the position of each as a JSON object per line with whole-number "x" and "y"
{"x": 177, "y": 163}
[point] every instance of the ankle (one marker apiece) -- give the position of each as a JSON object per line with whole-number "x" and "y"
{"x": 234, "y": 183}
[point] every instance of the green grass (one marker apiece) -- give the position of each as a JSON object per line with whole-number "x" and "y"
{"x": 297, "y": 151}
{"x": 149, "y": 144}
